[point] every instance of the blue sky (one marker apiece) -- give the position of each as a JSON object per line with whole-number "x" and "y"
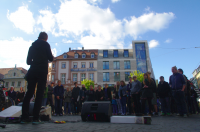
{"x": 167, "y": 25}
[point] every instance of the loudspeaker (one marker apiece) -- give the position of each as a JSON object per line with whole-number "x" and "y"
{"x": 31, "y": 106}
{"x": 96, "y": 111}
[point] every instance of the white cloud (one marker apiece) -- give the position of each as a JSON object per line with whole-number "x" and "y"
{"x": 168, "y": 41}
{"x": 114, "y": 1}
{"x": 56, "y": 44}
{"x": 22, "y": 19}
{"x": 79, "y": 48}
{"x": 153, "y": 43}
{"x": 54, "y": 52}
{"x": 147, "y": 22}
{"x": 67, "y": 41}
{"x": 147, "y": 9}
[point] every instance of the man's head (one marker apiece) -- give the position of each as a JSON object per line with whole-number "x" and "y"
{"x": 106, "y": 85}
{"x": 149, "y": 73}
{"x": 174, "y": 69}
{"x": 83, "y": 86}
{"x": 180, "y": 71}
{"x": 11, "y": 88}
{"x": 130, "y": 79}
{"x": 43, "y": 36}
{"x": 134, "y": 78}
{"x": 59, "y": 83}
{"x": 75, "y": 84}
{"x": 161, "y": 78}
{"x": 52, "y": 84}
{"x": 99, "y": 87}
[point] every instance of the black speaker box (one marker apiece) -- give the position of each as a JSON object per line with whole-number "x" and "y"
{"x": 96, "y": 111}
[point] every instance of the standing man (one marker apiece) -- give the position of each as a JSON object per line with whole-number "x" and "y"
{"x": 75, "y": 95}
{"x": 129, "y": 86}
{"x": 12, "y": 94}
{"x": 107, "y": 93}
{"x": 38, "y": 56}
{"x": 59, "y": 96}
{"x": 49, "y": 96}
{"x": 81, "y": 97}
{"x": 177, "y": 83}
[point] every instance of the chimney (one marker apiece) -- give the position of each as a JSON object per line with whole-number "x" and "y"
{"x": 69, "y": 48}
{"x": 82, "y": 48}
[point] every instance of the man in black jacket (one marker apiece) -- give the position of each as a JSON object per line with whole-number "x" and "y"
{"x": 12, "y": 94}
{"x": 75, "y": 94}
{"x": 107, "y": 93}
{"x": 164, "y": 92}
{"x": 38, "y": 56}
{"x": 49, "y": 96}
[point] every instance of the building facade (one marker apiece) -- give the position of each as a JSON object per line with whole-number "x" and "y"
{"x": 74, "y": 66}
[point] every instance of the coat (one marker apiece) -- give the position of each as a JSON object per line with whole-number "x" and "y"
{"x": 147, "y": 92}
{"x": 67, "y": 96}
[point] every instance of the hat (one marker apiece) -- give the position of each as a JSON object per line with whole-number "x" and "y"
{"x": 134, "y": 76}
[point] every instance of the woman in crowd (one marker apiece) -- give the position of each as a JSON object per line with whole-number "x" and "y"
{"x": 20, "y": 96}
{"x": 99, "y": 95}
{"x": 115, "y": 92}
{"x": 91, "y": 94}
{"x": 147, "y": 93}
{"x": 67, "y": 101}
{"x": 122, "y": 96}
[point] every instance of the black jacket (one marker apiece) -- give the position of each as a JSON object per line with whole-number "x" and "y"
{"x": 154, "y": 89}
{"x": 50, "y": 91}
{"x": 12, "y": 95}
{"x": 164, "y": 90}
{"x": 91, "y": 95}
{"x": 59, "y": 91}
{"x": 75, "y": 92}
{"x": 147, "y": 92}
{"x": 98, "y": 95}
{"x": 38, "y": 55}
{"x": 108, "y": 92}
{"x": 20, "y": 96}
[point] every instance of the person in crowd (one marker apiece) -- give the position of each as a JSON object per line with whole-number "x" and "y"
{"x": 95, "y": 89}
{"x": 67, "y": 101}
{"x": 75, "y": 100}
{"x": 177, "y": 83}
{"x": 44, "y": 100}
{"x": 72, "y": 105}
{"x": 114, "y": 106}
{"x": 194, "y": 97}
{"x": 81, "y": 97}
{"x": 20, "y": 96}
{"x": 135, "y": 94}
{"x": 12, "y": 94}
{"x": 154, "y": 99}
{"x": 122, "y": 96}
{"x": 99, "y": 95}
{"x": 91, "y": 94}
{"x": 147, "y": 92}
{"x": 59, "y": 96}
{"x": 164, "y": 95}
{"x": 116, "y": 91}
{"x": 129, "y": 86}
{"x": 39, "y": 55}
{"x": 49, "y": 96}
{"x": 107, "y": 93}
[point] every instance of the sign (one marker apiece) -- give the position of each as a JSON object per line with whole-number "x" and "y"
{"x": 83, "y": 70}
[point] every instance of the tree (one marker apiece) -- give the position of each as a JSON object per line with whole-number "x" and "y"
{"x": 87, "y": 83}
{"x": 138, "y": 74}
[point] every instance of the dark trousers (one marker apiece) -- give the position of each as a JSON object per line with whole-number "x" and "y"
{"x": 123, "y": 104}
{"x": 137, "y": 104}
{"x": 165, "y": 105}
{"x": 58, "y": 106}
{"x": 34, "y": 78}
{"x": 179, "y": 97}
{"x": 80, "y": 105}
{"x": 144, "y": 103}
{"x": 189, "y": 103}
{"x": 114, "y": 109}
{"x": 50, "y": 101}
{"x": 76, "y": 105}
{"x": 173, "y": 105}
{"x": 129, "y": 105}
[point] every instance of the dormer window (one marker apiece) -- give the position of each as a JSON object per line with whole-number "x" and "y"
{"x": 92, "y": 55}
{"x": 64, "y": 56}
{"x": 83, "y": 55}
{"x": 76, "y": 55}
{"x": 14, "y": 74}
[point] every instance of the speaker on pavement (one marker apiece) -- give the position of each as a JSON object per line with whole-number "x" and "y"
{"x": 96, "y": 111}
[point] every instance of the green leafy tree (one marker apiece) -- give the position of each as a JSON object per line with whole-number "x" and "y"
{"x": 87, "y": 83}
{"x": 138, "y": 74}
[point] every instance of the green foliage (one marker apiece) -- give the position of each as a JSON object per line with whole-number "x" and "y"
{"x": 87, "y": 83}
{"x": 138, "y": 74}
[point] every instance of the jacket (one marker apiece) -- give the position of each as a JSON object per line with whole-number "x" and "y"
{"x": 136, "y": 87}
{"x": 12, "y": 95}
{"x": 75, "y": 92}
{"x": 20, "y": 96}
{"x": 129, "y": 86}
{"x": 91, "y": 95}
{"x": 99, "y": 94}
{"x": 50, "y": 91}
{"x": 122, "y": 91}
{"x": 147, "y": 92}
{"x": 81, "y": 93}
{"x": 114, "y": 102}
{"x": 45, "y": 92}
{"x": 176, "y": 81}
{"x": 154, "y": 86}
{"x": 108, "y": 93}
{"x": 67, "y": 96}
{"x": 38, "y": 55}
{"x": 59, "y": 91}
{"x": 163, "y": 90}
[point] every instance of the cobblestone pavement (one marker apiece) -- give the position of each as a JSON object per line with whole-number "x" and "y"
{"x": 168, "y": 124}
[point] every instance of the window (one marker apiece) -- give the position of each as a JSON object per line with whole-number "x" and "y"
{"x": 13, "y": 84}
{"x": 19, "y": 84}
{"x": 83, "y": 55}
{"x": 127, "y": 65}
{"x": 49, "y": 77}
{"x": 82, "y": 65}
{"x": 14, "y": 74}
{"x": 91, "y": 64}
{"x": 64, "y": 56}
{"x": 62, "y": 78}
{"x": 141, "y": 59}
{"x": 76, "y": 56}
{"x": 105, "y": 54}
{"x": 63, "y": 65}
{"x": 126, "y": 53}
{"x": 75, "y": 65}
{"x": 92, "y": 55}
{"x": 105, "y": 65}
{"x": 116, "y": 65}
{"x": 115, "y": 54}
{"x": 106, "y": 77}
{"x": 52, "y": 78}
{"x": 92, "y": 76}
{"x": 127, "y": 76}
{"x": 7, "y": 83}
{"x": 74, "y": 77}
{"x": 116, "y": 76}
{"x": 53, "y": 65}
{"x": 82, "y": 77}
